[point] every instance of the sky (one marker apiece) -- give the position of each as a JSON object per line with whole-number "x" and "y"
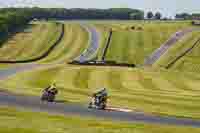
{"x": 166, "y": 7}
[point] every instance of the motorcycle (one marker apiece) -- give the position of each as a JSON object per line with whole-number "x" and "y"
{"x": 98, "y": 103}
{"x": 48, "y": 95}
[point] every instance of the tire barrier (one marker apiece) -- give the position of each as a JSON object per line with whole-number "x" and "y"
{"x": 102, "y": 63}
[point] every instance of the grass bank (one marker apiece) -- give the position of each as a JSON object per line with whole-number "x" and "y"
{"x": 20, "y": 121}
{"x": 151, "y": 91}
{"x": 132, "y": 42}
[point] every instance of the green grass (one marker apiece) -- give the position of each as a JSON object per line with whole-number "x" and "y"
{"x": 20, "y": 121}
{"x": 190, "y": 62}
{"x": 75, "y": 41}
{"x": 154, "y": 91}
{"x": 132, "y": 46}
{"x": 31, "y": 43}
{"x": 150, "y": 90}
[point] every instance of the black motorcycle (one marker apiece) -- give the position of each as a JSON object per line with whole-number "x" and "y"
{"x": 49, "y": 95}
{"x": 98, "y": 102}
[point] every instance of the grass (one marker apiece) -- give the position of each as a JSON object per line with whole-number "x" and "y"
{"x": 190, "y": 62}
{"x": 132, "y": 46}
{"x": 152, "y": 91}
{"x": 74, "y": 42}
{"x": 20, "y": 121}
{"x": 31, "y": 43}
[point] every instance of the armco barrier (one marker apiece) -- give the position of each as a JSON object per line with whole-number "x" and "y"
{"x": 107, "y": 45}
{"x": 182, "y": 54}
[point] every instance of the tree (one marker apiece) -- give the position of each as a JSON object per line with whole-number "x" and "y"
{"x": 136, "y": 16}
{"x": 150, "y": 15}
{"x": 196, "y": 16}
{"x": 158, "y": 15}
{"x": 12, "y": 18}
{"x": 184, "y": 16}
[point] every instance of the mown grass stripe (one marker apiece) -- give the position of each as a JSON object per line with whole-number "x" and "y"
{"x": 82, "y": 77}
{"x": 43, "y": 55}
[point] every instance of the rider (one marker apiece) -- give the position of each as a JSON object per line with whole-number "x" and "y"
{"x": 101, "y": 95}
{"x": 51, "y": 89}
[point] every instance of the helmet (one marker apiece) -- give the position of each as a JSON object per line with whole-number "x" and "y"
{"x": 102, "y": 89}
{"x": 53, "y": 85}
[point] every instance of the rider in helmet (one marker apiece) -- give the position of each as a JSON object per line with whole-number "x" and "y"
{"x": 101, "y": 95}
{"x": 102, "y": 91}
{"x": 49, "y": 93}
{"x": 51, "y": 89}
{"x": 54, "y": 91}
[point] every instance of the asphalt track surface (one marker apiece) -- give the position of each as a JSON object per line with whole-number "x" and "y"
{"x": 93, "y": 44}
{"x": 164, "y": 47}
{"x": 34, "y": 104}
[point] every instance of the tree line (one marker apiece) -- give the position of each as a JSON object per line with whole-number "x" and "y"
{"x": 78, "y": 13}
{"x": 187, "y": 16}
{"x": 157, "y": 15}
{"x": 12, "y": 18}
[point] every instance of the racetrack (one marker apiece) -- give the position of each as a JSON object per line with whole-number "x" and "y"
{"x": 34, "y": 103}
{"x": 93, "y": 44}
{"x": 150, "y": 60}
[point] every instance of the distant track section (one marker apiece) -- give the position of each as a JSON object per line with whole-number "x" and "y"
{"x": 164, "y": 47}
{"x": 41, "y": 56}
{"x": 93, "y": 46}
{"x": 85, "y": 57}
